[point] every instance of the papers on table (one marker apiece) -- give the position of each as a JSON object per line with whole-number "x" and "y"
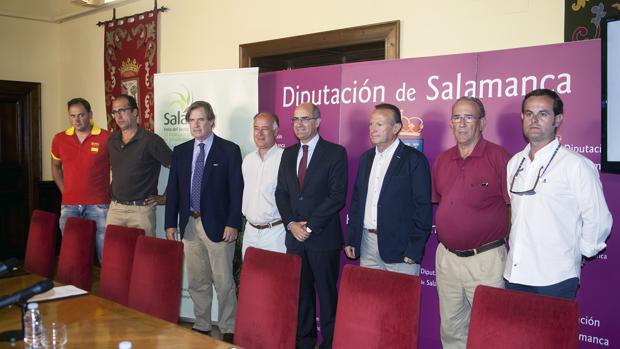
{"x": 58, "y": 292}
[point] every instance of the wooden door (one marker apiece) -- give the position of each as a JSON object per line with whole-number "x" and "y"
{"x": 20, "y": 162}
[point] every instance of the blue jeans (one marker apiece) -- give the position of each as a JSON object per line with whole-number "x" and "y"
{"x": 96, "y": 213}
{"x": 564, "y": 289}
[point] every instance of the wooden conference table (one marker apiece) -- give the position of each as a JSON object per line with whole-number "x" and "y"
{"x": 94, "y": 322}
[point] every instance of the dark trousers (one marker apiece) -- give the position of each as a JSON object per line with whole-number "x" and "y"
{"x": 565, "y": 289}
{"x": 319, "y": 270}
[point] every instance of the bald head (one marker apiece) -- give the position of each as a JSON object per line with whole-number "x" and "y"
{"x": 268, "y": 116}
{"x": 306, "y": 121}
{"x": 309, "y": 109}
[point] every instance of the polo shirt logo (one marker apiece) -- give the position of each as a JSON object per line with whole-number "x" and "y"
{"x": 94, "y": 147}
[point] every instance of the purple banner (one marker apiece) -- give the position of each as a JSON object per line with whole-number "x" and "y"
{"x": 425, "y": 89}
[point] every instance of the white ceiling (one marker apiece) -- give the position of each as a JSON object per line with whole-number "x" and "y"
{"x": 50, "y": 10}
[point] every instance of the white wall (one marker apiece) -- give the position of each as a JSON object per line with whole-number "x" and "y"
{"x": 29, "y": 51}
{"x": 206, "y": 34}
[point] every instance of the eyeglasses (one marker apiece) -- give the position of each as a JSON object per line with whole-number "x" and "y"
{"x": 527, "y": 192}
{"x": 540, "y": 174}
{"x": 118, "y": 111}
{"x": 456, "y": 119}
{"x": 302, "y": 119}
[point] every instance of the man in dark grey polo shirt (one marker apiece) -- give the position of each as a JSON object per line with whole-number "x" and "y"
{"x": 136, "y": 157}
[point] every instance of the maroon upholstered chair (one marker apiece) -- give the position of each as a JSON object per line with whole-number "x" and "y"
{"x": 156, "y": 275}
{"x": 377, "y": 309}
{"x": 41, "y": 247}
{"x": 268, "y": 300}
{"x": 512, "y": 319}
{"x": 119, "y": 247}
{"x": 77, "y": 251}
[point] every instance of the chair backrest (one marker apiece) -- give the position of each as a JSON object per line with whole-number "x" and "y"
{"x": 156, "y": 275}
{"x": 77, "y": 253}
{"x": 41, "y": 247}
{"x": 268, "y": 300}
{"x": 512, "y": 319}
{"x": 119, "y": 247}
{"x": 377, "y": 309}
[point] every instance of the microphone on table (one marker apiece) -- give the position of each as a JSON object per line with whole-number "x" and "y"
{"x": 7, "y": 265}
{"x": 26, "y": 294}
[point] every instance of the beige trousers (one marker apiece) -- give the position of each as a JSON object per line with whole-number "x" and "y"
{"x": 210, "y": 263}
{"x": 132, "y": 216}
{"x": 457, "y": 278}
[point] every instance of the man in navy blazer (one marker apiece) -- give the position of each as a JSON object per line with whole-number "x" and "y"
{"x": 204, "y": 193}
{"x": 390, "y": 217}
{"x": 311, "y": 191}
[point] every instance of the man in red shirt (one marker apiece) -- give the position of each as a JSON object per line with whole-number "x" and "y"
{"x": 472, "y": 219}
{"x": 81, "y": 169}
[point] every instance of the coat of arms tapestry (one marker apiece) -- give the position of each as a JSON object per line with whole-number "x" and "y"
{"x": 130, "y": 61}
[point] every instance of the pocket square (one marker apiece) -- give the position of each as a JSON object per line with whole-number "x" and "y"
{"x": 216, "y": 165}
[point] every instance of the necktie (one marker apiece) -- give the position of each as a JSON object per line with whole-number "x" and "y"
{"x": 197, "y": 178}
{"x": 301, "y": 171}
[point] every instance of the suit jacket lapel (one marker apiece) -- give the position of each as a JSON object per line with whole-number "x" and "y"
{"x": 366, "y": 175}
{"x": 185, "y": 166}
{"x": 395, "y": 164}
{"x": 316, "y": 158}
{"x": 293, "y": 165}
{"x": 212, "y": 160}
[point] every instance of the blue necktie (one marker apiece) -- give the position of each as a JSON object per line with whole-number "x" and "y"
{"x": 197, "y": 178}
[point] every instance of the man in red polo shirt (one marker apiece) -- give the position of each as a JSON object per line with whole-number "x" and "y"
{"x": 81, "y": 169}
{"x": 472, "y": 219}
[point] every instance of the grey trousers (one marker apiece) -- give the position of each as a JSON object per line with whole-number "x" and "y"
{"x": 370, "y": 258}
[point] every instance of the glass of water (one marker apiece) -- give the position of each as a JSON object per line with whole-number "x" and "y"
{"x": 55, "y": 335}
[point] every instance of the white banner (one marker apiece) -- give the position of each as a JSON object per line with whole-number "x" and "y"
{"x": 233, "y": 94}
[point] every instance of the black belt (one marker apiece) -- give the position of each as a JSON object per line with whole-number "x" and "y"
{"x": 265, "y": 226}
{"x": 475, "y": 251}
{"x": 194, "y": 214}
{"x": 132, "y": 203}
{"x": 372, "y": 231}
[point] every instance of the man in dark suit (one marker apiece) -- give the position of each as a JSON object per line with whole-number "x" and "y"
{"x": 390, "y": 217}
{"x": 204, "y": 191}
{"x": 311, "y": 190}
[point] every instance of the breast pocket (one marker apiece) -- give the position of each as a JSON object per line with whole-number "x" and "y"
{"x": 481, "y": 190}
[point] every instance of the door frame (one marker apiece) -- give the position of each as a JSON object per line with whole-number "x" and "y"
{"x": 28, "y": 95}
{"x": 386, "y": 32}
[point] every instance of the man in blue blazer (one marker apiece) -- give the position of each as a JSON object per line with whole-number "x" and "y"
{"x": 204, "y": 193}
{"x": 311, "y": 191}
{"x": 390, "y": 217}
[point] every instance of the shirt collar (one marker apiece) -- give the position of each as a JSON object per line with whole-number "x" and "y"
{"x": 389, "y": 151}
{"x": 476, "y": 153}
{"x": 93, "y": 131}
{"x": 543, "y": 153}
{"x": 312, "y": 142}
{"x": 208, "y": 142}
{"x": 269, "y": 152}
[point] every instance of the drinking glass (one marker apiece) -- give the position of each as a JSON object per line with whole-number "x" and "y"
{"x": 55, "y": 335}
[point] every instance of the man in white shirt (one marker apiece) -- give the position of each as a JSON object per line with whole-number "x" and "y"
{"x": 559, "y": 213}
{"x": 264, "y": 228}
{"x": 390, "y": 217}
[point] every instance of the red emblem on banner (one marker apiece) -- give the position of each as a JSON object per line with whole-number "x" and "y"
{"x": 130, "y": 60}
